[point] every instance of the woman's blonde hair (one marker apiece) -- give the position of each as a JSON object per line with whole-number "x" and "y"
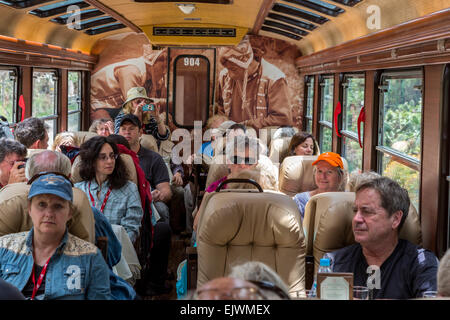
{"x": 64, "y": 137}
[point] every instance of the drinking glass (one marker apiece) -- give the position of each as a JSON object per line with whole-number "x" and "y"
{"x": 360, "y": 293}
{"x": 429, "y": 294}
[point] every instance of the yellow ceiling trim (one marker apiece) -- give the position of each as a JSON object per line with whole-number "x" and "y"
{"x": 194, "y": 40}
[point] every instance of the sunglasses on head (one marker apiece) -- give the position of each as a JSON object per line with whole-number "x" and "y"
{"x": 242, "y": 160}
{"x": 40, "y": 174}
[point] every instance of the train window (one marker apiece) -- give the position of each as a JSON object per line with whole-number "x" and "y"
{"x": 191, "y": 89}
{"x": 74, "y": 100}
{"x": 8, "y": 89}
{"x": 45, "y": 99}
{"x": 353, "y": 101}
{"x": 400, "y": 123}
{"x": 326, "y": 113}
{"x": 309, "y": 104}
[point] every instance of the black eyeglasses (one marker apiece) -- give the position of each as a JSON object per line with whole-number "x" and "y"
{"x": 105, "y": 157}
{"x": 271, "y": 287}
{"x": 40, "y": 174}
{"x": 242, "y": 160}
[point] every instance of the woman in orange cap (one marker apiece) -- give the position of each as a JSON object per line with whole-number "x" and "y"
{"x": 329, "y": 176}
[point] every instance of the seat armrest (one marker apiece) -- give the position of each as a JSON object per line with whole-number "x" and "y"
{"x": 192, "y": 259}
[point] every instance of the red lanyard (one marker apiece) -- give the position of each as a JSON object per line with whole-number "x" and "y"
{"x": 41, "y": 277}
{"x": 104, "y": 200}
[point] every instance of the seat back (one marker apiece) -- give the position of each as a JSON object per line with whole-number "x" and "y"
{"x": 279, "y": 149}
{"x": 236, "y": 226}
{"x": 14, "y": 215}
{"x": 82, "y": 136}
{"x": 30, "y": 152}
{"x": 328, "y": 224}
{"x": 127, "y": 160}
{"x": 217, "y": 169}
{"x": 296, "y": 174}
{"x": 149, "y": 142}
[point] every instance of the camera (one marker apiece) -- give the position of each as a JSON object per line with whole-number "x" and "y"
{"x": 22, "y": 165}
{"x": 148, "y": 107}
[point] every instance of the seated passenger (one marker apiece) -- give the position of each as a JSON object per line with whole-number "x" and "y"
{"x": 357, "y": 178}
{"x": 12, "y": 154}
{"x": 151, "y": 162}
{"x": 32, "y": 133}
{"x": 152, "y": 123}
{"x": 405, "y": 270}
{"x": 47, "y": 262}
{"x": 213, "y": 123}
{"x": 64, "y": 139}
{"x": 256, "y": 272}
{"x": 105, "y": 182}
{"x": 443, "y": 276}
{"x": 329, "y": 176}
{"x": 283, "y": 132}
{"x": 103, "y": 127}
{"x": 302, "y": 144}
{"x": 228, "y": 288}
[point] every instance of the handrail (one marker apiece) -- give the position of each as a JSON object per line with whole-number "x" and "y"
{"x": 256, "y": 184}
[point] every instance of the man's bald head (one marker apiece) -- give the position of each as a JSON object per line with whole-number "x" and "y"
{"x": 48, "y": 161}
{"x": 229, "y": 289}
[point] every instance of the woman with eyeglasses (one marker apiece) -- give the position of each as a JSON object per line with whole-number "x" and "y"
{"x": 105, "y": 182}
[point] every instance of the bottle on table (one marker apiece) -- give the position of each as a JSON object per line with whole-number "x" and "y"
{"x": 324, "y": 267}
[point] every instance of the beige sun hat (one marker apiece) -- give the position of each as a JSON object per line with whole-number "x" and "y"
{"x": 136, "y": 92}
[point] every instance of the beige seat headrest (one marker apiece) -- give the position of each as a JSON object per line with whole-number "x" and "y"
{"x": 296, "y": 174}
{"x": 128, "y": 161}
{"x": 14, "y": 215}
{"x": 82, "y": 136}
{"x": 237, "y": 226}
{"x": 279, "y": 149}
{"x": 165, "y": 148}
{"x": 149, "y": 142}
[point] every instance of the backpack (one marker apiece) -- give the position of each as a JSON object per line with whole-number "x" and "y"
{"x": 5, "y": 131}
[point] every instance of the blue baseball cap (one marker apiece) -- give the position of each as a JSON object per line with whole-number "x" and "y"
{"x": 52, "y": 184}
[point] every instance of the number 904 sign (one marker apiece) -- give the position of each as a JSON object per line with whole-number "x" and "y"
{"x": 192, "y": 62}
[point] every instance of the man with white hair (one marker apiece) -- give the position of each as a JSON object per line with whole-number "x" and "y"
{"x": 252, "y": 91}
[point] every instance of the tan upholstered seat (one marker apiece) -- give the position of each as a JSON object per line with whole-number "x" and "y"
{"x": 236, "y": 226}
{"x": 217, "y": 169}
{"x": 296, "y": 174}
{"x": 82, "y": 136}
{"x": 14, "y": 215}
{"x": 149, "y": 142}
{"x": 279, "y": 149}
{"x": 165, "y": 148}
{"x": 328, "y": 224}
{"x": 128, "y": 161}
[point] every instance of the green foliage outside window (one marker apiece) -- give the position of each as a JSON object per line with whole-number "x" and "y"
{"x": 7, "y": 95}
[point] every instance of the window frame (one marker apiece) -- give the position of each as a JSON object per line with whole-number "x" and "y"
{"x": 16, "y": 96}
{"x": 308, "y": 119}
{"x": 321, "y": 124}
{"x": 347, "y": 134}
{"x": 79, "y": 99}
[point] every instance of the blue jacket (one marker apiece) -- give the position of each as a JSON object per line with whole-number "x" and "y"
{"x": 120, "y": 289}
{"x": 76, "y": 270}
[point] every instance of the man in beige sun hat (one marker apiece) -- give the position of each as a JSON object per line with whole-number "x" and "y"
{"x": 111, "y": 83}
{"x": 252, "y": 91}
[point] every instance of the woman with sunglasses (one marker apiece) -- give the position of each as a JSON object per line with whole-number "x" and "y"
{"x": 105, "y": 182}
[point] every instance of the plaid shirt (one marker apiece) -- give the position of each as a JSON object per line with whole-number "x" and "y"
{"x": 123, "y": 206}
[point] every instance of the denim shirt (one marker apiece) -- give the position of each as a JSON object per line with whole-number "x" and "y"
{"x": 123, "y": 206}
{"x": 76, "y": 271}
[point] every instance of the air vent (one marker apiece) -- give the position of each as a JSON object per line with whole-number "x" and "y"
{"x": 194, "y": 32}
{"x": 23, "y": 4}
{"x": 281, "y": 32}
{"x": 86, "y": 14}
{"x": 349, "y": 3}
{"x": 293, "y": 11}
{"x": 58, "y": 8}
{"x": 295, "y": 22}
{"x": 285, "y": 27}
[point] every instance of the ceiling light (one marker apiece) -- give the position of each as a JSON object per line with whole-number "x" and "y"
{"x": 187, "y": 8}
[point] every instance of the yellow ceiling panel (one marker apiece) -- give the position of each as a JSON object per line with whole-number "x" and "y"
{"x": 241, "y": 13}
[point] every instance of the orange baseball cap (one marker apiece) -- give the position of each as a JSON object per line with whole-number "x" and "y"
{"x": 332, "y": 158}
